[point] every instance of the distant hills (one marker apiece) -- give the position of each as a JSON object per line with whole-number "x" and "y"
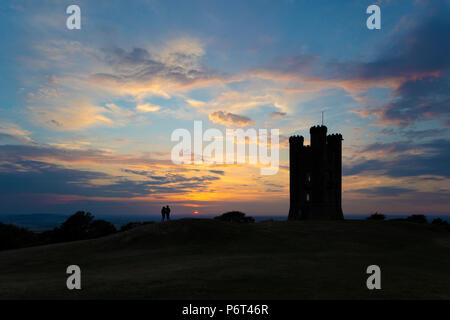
{"x": 39, "y": 222}
{"x": 34, "y": 222}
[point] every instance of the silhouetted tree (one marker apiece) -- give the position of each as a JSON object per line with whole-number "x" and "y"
{"x": 12, "y": 237}
{"x": 100, "y": 228}
{"x": 76, "y": 227}
{"x": 376, "y": 216}
{"x": 417, "y": 218}
{"x": 438, "y": 221}
{"x": 79, "y": 226}
{"x": 235, "y": 216}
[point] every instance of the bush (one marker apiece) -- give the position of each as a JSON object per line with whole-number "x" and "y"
{"x": 235, "y": 216}
{"x": 439, "y": 221}
{"x": 417, "y": 218}
{"x": 12, "y": 237}
{"x": 76, "y": 227}
{"x": 376, "y": 216}
{"x": 79, "y": 226}
{"x": 100, "y": 228}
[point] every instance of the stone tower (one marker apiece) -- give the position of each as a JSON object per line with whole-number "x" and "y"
{"x": 316, "y": 176}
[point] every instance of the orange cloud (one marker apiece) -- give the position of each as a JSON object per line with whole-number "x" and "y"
{"x": 230, "y": 119}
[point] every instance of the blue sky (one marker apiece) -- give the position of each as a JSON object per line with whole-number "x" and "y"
{"x": 87, "y": 114}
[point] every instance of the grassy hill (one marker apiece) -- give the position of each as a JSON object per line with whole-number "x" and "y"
{"x": 208, "y": 259}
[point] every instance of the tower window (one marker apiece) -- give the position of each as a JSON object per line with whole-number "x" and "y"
{"x": 308, "y": 177}
{"x": 307, "y": 197}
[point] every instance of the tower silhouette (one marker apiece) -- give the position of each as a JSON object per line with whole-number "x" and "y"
{"x": 315, "y": 174}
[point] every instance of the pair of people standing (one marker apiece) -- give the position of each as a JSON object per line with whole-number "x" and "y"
{"x": 165, "y": 212}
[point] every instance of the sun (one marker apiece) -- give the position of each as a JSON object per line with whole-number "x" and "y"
{"x": 196, "y": 212}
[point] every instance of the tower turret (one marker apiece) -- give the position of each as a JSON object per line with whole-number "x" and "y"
{"x": 318, "y": 136}
{"x": 295, "y": 152}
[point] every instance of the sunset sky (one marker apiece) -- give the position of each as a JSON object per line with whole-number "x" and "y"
{"x": 87, "y": 115}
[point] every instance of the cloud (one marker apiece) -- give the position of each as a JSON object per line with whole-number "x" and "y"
{"x": 219, "y": 172}
{"x": 75, "y": 114}
{"x": 12, "y": 133}
{"x": 55, "y": 105}
{"x": 85, "y": 80}
{"x": 58, "y": 107}
{"x": 413, "y": 62}
{"x": 235, "y": 101}
{"x": 146, "y": 107}
{"x": 171, "y": 177}
{"x": 415, "y": 134}
{"x": 230, "y": 119}
{"x": 174, "y": 66}
{"x": 276, "y": 114}
{"x": 383, "y": 191}
{"x": 419, "y": 57}
{"x": 40, "y": 177}
{"x": 19, "y": 174}
{"x": 427, "y": 98}
{"x": 183, "y": 53}
{"x": 73, "y": 156}
{"x": 407, "y": 160}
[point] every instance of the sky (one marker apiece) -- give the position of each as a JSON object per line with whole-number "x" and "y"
{"x": 87, "y": 115}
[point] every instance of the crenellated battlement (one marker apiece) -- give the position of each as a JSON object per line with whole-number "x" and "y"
{"x": 318, "y": 130}
{"x": 296, "y": 140}
{"x": 335, "y": 136}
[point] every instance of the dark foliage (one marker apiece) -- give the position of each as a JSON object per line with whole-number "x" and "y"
{"x": 417, "y": 218}
{"x": 439, "y": 222}
{"x": 235, "y": 216}
{"x": 12, "y": 237}
{"x": 76, "y": 227}
{"x": 100, "y": 228}
{"x": 79, "y": 226}
{"x": 376, "y": 216}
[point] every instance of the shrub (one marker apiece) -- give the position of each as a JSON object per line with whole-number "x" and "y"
{"x": 12, "y": 237}
{"x": 100, "y": 228}
{"x": 417, "y": 218}
{"x": 376, "y": 216}
{"x": 235, "y": 216}
{"x": 439, "y": 221}
{"x": 79, "y": 226}
{"x": 76, "y": 227}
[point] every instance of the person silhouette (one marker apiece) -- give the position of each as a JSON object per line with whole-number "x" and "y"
{"x": 167, "y": 212}
{"x": 163, "y": 213}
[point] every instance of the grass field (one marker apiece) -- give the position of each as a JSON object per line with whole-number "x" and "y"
{"x": 208, "y": 259}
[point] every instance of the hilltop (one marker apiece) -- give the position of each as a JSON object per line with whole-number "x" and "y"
{"x": 210, "y": 259}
